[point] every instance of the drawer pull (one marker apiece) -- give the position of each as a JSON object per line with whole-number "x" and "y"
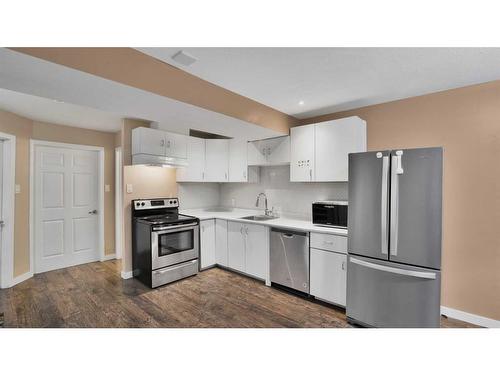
{"x": 328, "y": 242}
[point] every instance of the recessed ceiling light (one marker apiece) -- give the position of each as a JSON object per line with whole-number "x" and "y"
{"x": 184, "y": 58}
{"x": 301, "y": 102}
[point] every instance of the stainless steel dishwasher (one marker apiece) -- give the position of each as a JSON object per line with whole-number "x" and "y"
{"x": 290, "y": 259}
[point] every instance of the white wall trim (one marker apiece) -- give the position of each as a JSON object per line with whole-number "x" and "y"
{"x": 127, "y": 274}
{"x": 108, "y": 257}
{"x": 21, "y": 278}
{"x": 470, "y": 318}
{"x": 8, "y": 209}
{"x": 118, "y": 203}
{"x": 100, "y": 150}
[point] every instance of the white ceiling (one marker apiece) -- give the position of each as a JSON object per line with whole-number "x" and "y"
{"x": 42, "y": 79}
{"x": 334, "y": 79}
{"x": 52, "y": 111}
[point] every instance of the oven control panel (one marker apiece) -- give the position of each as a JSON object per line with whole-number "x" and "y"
{"x": 148, "y": 204}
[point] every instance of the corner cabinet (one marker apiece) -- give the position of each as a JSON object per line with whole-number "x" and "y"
{"x": 268, "y": 152}
{"x": 319, "y": 152}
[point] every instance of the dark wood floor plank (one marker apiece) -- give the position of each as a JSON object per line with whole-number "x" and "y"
{"x": 94, "y": 295}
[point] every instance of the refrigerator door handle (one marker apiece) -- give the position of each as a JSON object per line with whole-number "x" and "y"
{"x": 399, "y": 271}
{"x": 395, "y": 165}
{"x": 383, "y": 210}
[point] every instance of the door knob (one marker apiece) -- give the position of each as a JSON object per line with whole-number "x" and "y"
{"x": 93, "y": 212}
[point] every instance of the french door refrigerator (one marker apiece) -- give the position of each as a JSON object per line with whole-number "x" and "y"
{"x": 394, "y": 238}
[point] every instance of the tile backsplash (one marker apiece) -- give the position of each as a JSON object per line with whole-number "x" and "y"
{"x": 292, "y": 198}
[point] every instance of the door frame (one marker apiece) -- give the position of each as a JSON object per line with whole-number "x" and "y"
{"x": 8, "y": 210}
{"x": 100, "y": 196}
{"x": 118, "y": 203}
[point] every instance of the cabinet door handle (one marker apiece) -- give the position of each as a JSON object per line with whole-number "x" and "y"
{"x": 310, "y": 174}
{"x": 162, "y": 143}
{"x": 343, "y": 265}
{"x": 246, "y": 231}
{"x": 244, "y": 174}
{"x": 225, "y": 174}
{"x": 168, "y": 144}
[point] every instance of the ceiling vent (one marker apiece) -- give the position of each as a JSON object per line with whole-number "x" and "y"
{"x": 184, "y": 58}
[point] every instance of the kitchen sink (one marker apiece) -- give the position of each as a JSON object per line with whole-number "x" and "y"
{"x": 258, "y": 217}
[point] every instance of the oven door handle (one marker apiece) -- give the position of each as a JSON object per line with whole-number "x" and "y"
{"x": 174, "y": 228}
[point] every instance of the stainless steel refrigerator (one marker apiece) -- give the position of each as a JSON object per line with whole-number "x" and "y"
{"x": 394, "y": 238}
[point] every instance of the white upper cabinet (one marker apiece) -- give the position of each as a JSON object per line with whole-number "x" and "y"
{"x": 334, "y": 141}
{"x": 272, "y": 151}
{"x": 239, "y": 171}
{"x": 302, "y": 153}
{"x": 195, "y": 170}
{"x": 176, "y": 145}
{"x": 216, "y": 160}
{"x": 319, "y": 152}
{"x": 158, "y": 142}
{"x": 148, "y": 141}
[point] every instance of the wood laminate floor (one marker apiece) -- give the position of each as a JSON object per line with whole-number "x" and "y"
{"x": 94, "y": 295}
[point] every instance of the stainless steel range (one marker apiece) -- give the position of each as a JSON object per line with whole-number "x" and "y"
{"x": 165, "y": 244}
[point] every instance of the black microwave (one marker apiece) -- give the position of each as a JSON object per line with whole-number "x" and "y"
{"x": 330, "y": 213}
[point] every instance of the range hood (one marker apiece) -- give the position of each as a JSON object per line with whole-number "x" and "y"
{"x": 159, "y": 161}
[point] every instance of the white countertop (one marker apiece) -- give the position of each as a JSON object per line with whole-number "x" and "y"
{"x": 281, "y": 222}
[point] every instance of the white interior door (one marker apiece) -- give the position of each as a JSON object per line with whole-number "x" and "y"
{"x": 66, "y": 220}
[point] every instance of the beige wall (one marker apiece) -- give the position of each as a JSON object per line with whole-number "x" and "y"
{"x": 24, "y": 130}
{"x": 466, "y": 122}
{"x": 147, "y": 182}
{"x": 133, "y": 68}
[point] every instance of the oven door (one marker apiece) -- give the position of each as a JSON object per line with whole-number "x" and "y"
{"x": 176, "y": 244}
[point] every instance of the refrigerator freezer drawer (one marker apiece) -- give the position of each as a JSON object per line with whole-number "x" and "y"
{"x": 390, "y": 295}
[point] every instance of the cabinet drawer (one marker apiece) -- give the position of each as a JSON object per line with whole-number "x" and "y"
{"x": 329, "y": 242}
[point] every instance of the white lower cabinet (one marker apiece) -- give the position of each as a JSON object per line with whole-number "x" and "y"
{"x": 207, "y": 243}
{"x": 235, "y": 246}
{"x": 328, "y": 276}
{"x": 221, "y": 242}
{"x": 256, "y": 250}
{"x": 248, "y": 248}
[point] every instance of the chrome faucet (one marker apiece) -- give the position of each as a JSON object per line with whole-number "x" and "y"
{"x": 267, "y": 212}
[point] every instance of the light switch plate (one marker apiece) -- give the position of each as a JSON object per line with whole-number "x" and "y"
{"x": 129, "y": 188}
{"x": 107, "y": 188}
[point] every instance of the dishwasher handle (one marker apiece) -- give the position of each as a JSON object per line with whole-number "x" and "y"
{"x": 289, "y": 233}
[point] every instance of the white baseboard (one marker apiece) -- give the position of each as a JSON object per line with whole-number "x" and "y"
{"x": 108, "y": 257}
{"x": 127, "y": 274}
{"x": 19, "y": 279}
{"x": 470, "y": 318}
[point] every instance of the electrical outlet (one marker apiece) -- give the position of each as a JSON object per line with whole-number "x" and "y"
{"x": 107, "y": 188}
{"x": 18, "y": 188}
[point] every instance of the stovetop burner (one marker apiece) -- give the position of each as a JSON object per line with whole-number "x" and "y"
{"x": 171, "y": 218}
